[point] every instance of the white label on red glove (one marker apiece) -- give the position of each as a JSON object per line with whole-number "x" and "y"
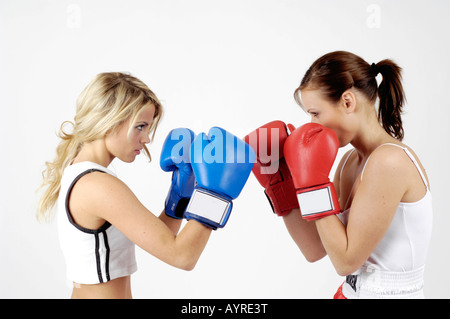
{"x": 315, "y": 202}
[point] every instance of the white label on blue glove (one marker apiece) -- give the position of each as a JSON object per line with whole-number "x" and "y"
{"x": 208, "y": 206}
{"x": 315, "y": 202}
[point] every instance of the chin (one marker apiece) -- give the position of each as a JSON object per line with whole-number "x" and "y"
{"x": 128, "y": 159}
{"x": 344, "y": 139}
{"x": 343, "y": 143}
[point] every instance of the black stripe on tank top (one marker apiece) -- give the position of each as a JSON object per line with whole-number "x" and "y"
{"x": 98, "y": 259}
{"x": 105, "y": 237}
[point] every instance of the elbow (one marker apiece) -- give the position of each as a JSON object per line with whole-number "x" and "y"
{"x": 313, "y": 255}
{"x": 343, "y": 272}
{"x": 186, "y": 263}
{"x": 342, "y": 268}
{"x": 187, "y": 267}
{"x": 313, "y": 258}
{"x": 346, "y": 268}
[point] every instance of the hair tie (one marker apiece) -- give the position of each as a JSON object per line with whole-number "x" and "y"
{"x": 374, "y": 69}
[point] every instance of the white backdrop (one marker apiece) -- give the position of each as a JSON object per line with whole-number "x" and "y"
{"x": 230, "y": 63}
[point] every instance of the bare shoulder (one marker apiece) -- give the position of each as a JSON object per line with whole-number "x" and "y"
{"x": 390, "y": 171}
{"x": 387, "y": 160}
{"x": 98, "y": 184}
{"x": 97, "y": 196}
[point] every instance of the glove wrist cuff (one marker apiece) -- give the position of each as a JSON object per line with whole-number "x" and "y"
{"x": 282, "y": 197}
{"x": 175, "y": 205}
{"x": 318, "y": 201}
{"x": 209, "y": 208}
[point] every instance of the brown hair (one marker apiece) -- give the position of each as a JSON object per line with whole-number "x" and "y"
{"x": 338, "y": 71}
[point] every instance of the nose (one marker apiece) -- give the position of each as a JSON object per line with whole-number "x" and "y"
{"x": 145, "y": 139}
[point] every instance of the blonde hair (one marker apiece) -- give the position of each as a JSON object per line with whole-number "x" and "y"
{"x": 107, "y": 101}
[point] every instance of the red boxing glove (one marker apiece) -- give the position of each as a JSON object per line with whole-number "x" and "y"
{"x": 310, "y": 152}
{"x": 271, "y": 171}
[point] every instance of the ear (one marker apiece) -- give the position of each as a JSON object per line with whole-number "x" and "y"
{"x": 348, "y": 101}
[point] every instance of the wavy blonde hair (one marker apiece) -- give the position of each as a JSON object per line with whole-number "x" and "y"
{"x": 107, "y": 101}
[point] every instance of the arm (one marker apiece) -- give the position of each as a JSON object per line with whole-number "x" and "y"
{"x": 112, "y": 200}
{"x": 305, "y": 233}
{"x": 173, "y": 224}
{"x": 305, "y": 236}
{"x": 371, "y": 213}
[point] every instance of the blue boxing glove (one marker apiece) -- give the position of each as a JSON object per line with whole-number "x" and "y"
{"x": 175, "y": 158}
{"x": 222, "y": 164}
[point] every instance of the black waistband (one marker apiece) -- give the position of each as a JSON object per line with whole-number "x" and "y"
{"x": 351, "y": 280}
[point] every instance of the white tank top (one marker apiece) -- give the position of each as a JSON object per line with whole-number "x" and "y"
{"x": 404, "y": 247}
{"x": 92, "y": 255}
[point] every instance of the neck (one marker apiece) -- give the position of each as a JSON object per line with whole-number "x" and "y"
{"x": 370, "y": 135}
{"x": 95, "y": 152}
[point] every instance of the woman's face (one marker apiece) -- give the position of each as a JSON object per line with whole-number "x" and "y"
{"x": 329, "y": 114}
{"x": 125, "y": 143}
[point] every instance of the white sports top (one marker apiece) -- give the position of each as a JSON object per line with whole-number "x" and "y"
{"x": 403, "y": 249}
{"x": 92, "y": 255}
{"x": 405, "y": 244}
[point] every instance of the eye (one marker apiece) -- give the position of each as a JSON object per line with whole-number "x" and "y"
{"x": 141, "y": 127}
{"x": 313, "y": 112}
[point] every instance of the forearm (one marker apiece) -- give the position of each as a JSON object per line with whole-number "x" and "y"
{"x": 190, "y": 243}
{"x": 305, "y": 235}
{"x": 333, "y": 235}
{"x": 172, "y": 223}
{"x": 180, "y": 250}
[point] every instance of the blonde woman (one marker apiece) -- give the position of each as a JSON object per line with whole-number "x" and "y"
{"x": 99, "y": 218}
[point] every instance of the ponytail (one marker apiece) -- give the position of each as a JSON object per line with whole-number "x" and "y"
{"x": 336, "y": 72}
{"x": 66, "y": 151}
{"x": 392, "y": 98}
